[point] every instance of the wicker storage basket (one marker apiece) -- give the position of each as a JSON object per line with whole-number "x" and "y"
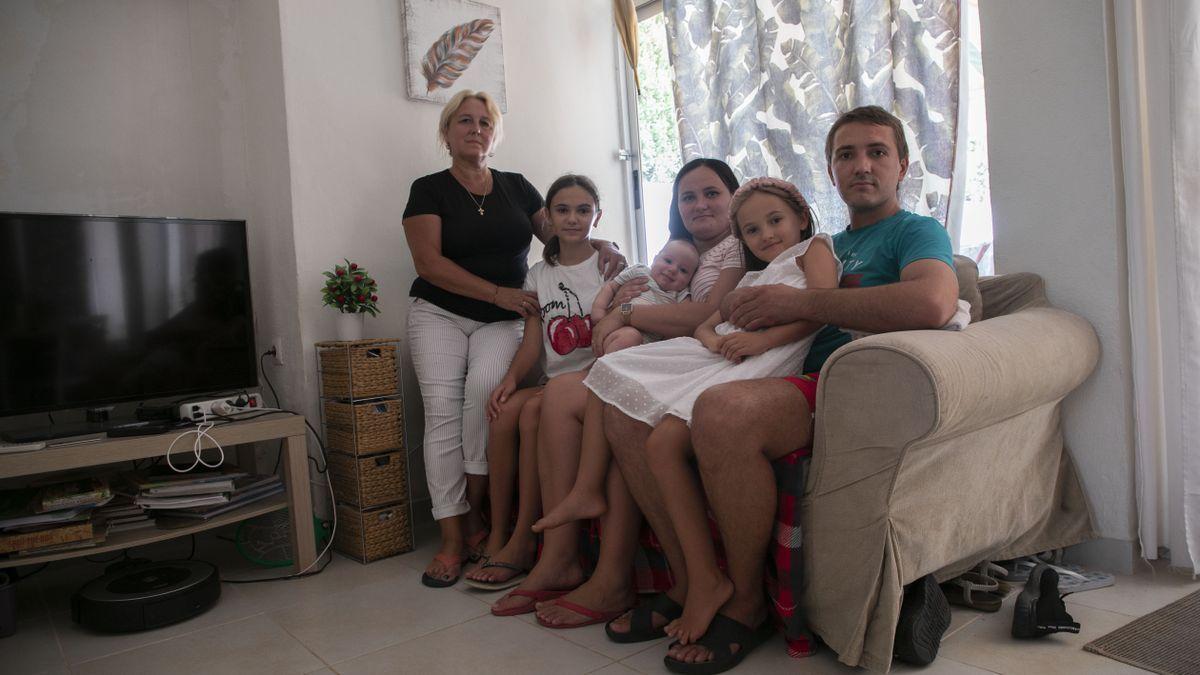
{"x": 367, "y": 536}
{"x": 369, "y": 364}
{"x": 364, "y": 428}
{"x": 367, "y": 482}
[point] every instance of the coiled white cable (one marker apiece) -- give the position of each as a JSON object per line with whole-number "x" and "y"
{"x": 201, "y": 433}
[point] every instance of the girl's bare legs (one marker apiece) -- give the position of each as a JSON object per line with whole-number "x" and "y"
{"x": 502, "y": 476}
{"x": 610, "y": 588}
{"x": 520, "y": 548}
{"x": 586, "y": 498}
{"x": 668, "y": 450}
{"x": 563, "y": 402}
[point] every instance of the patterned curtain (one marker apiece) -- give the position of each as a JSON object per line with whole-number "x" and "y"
{"x": 759, "y": 84}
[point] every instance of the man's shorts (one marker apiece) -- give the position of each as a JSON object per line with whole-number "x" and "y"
{"x": 807, "y": 384}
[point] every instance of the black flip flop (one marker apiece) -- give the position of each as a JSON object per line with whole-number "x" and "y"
{"x": 722, "y": 632}
{"x": 641, "y": 620}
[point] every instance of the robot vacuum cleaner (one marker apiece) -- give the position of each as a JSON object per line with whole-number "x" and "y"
{"x": 146, "y": 595}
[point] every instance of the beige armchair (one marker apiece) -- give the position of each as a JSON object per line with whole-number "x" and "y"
{"x": 935, "y": 450}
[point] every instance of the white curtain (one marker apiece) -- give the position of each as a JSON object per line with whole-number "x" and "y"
{"x": 1157, "y": 92}
{"x": 1185, "y": 111}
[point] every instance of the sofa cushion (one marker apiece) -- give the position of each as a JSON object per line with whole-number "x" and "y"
{"x": 968, "y": 285}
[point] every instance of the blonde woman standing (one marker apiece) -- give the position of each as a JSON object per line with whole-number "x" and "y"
{"x": 468, "y": 228}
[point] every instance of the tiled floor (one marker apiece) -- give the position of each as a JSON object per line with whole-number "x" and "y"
{"x": 378, "y": 618}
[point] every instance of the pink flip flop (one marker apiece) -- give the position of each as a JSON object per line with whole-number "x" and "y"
{"x": 593, "y": 617}
{"x": 534, "y": 598}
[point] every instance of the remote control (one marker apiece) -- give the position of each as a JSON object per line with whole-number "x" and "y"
{"x": 21, "y": 447}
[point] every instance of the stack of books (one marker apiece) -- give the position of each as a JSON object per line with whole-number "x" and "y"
{"x": 123, "y": 515}
{"x": 202, "y": 495}
{"x": 53, "y": 517}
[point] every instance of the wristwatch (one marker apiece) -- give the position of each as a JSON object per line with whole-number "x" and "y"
{"x": 626, "y": 313}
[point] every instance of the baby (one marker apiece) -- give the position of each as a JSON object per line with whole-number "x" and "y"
{"x": 669, "y": 274}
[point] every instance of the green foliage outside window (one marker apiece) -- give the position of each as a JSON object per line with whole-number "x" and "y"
{"x": 657, "y": 128}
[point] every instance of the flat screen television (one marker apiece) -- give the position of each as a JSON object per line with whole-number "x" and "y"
{"x": 96, "y": 310}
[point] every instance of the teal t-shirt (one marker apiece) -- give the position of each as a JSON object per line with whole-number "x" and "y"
{"x": 873, "y": 256}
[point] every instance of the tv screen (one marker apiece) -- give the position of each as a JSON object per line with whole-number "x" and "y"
{"x": 102, "y": 309}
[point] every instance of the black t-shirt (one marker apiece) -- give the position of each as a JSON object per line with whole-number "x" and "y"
{"x": 492, "y": 246}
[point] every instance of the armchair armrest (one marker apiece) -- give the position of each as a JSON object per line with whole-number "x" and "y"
{"x": 888, "y": 390}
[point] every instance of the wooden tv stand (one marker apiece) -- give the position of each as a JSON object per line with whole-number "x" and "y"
{"x": 297, "y": 499}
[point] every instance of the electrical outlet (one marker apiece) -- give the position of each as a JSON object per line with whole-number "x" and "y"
{"x": 277, "y": 345}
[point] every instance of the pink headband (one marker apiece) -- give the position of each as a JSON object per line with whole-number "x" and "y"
{"x": 778, "y": 186}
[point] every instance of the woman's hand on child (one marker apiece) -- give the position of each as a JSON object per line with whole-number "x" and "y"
{"x": 499, "y": 397}
{"x": 516, "y": 300}
{"x": 737, "y": 347}
{"x": 630, "y": 290}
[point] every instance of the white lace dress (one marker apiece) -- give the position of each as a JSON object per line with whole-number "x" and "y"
{"x": 649, "y": 381}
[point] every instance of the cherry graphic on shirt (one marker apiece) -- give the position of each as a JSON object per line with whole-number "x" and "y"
{"x": 568, "y": 333}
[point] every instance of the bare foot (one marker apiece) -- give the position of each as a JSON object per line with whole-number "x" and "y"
{"x": 543, "y": 577}
{"x": 695, "y": 653}
{"x": 592, "y": 595}
{"x": 704, "y": 598}
{"x": 517, "y": 554}
{"x": 443, "y": 568}
{"x": 577, "y": 505}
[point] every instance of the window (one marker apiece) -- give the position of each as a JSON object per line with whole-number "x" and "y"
{"x": 658, "y": 157}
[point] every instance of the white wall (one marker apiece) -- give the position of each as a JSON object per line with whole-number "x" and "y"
{"x": 1056, "y": 186}
{"x": 121, "y": 107}
{"x": 357, "y": 142}
{"x": 290, "y": 115}
{"x": 155, "y": 107}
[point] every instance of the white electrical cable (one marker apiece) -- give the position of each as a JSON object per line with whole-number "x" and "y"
{"x": 236, "y": 410}
{"x": 201, "y": 432}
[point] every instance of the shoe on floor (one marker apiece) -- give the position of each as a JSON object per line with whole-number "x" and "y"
{"x": 924, "y": 618}
{"x": 1040, "y": 609}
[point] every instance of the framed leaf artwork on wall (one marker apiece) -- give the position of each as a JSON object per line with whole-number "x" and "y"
{"x": 453, "y": 45}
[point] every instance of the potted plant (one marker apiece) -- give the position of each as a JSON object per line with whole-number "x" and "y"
{"x": 354, "y": 293}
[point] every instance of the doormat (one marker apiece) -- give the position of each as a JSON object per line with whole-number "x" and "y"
{"x": 1164, "y": 641}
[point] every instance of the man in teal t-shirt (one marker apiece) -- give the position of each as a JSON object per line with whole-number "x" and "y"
{"x": 898, "y": 274}
{"x": 875, "y": 255}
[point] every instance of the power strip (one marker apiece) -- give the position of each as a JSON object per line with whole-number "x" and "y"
{"x": 198, "y": 410}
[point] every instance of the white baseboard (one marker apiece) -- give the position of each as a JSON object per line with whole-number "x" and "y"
{"x": 1111, "y": 555}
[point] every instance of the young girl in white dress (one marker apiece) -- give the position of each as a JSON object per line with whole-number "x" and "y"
{"x": 659, "y": 383}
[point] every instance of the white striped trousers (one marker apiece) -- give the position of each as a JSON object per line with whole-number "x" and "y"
{"x": 458, "y": 363}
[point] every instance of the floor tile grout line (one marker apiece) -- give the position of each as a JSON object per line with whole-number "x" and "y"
{"x": 158, "y": 642}
{"x": 1111, "y": 611}
{"x": 971, "y": 665}
{"x": 558, "y": 633}
{"x": 401, "y": 642}
{"x": 298, "y": 640}
{"x": 62, "y": 653}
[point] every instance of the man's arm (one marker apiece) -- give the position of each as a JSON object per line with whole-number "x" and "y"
{"x": 925, "y": 297}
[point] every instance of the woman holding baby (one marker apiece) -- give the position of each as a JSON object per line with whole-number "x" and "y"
{"x": 556, "y": 586}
